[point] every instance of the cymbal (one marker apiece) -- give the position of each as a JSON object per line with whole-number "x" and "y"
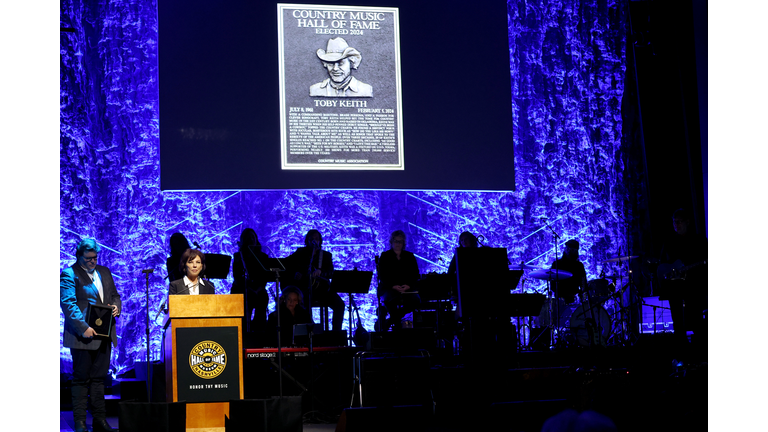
{"x": 549, "y": 274}
{"x": 619, "y": 259}
{"x": 523, "y": 267}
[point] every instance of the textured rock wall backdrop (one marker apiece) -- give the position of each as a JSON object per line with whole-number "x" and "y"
{"x": 567, "y": 66}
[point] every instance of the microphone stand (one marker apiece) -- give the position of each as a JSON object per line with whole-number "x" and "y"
{"x": 277, "y": 271}
{"x": 245, "y": 290}
{"x": 279, "y": 342}
{"x": 149, "y": 376}
{"x": 556, "y": 300}
{"x": 311, "y": 386}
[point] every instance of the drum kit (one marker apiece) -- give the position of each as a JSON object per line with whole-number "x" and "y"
{"x": 586, "y": 322}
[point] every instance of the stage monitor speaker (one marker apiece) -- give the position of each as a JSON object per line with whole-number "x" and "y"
{"x": 388, "y": 380}
{"x": 404, "y": 339}
{"x": 408, "y": 418}
{"x": 158, "y": 381}
{"x": 152, "y": 416}
{"x": 267, "y": 415}
{"x": 524, "y": 415}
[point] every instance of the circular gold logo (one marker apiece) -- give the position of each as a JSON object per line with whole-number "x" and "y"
{"x": 208, "y": 359}
{"x": 98, "y": 321}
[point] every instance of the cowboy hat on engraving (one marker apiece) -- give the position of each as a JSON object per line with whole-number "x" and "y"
{"x": 338, "y": 58}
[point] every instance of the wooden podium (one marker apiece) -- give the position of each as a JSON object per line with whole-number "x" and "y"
{"x": 204, "y": 315}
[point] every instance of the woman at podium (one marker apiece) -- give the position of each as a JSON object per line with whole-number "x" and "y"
{"x": 192, "y": 265}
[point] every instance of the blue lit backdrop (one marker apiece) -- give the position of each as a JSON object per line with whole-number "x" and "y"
{"x": 567, "y": 66}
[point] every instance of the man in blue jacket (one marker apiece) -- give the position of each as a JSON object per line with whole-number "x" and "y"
{"x": 87, "y": 283}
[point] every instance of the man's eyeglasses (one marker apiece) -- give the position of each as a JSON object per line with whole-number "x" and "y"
{"x": 93, "y": 258}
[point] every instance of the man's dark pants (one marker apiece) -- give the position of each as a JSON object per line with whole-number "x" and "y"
{"x": 90, "y": 368}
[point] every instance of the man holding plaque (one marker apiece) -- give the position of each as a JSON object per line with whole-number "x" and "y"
{"x": 90, "y": 302}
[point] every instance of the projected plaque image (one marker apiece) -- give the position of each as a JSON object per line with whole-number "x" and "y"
{"x": 340, "y": 97}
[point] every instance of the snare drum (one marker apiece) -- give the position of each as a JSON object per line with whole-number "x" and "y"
{"x": 596, "y": 325}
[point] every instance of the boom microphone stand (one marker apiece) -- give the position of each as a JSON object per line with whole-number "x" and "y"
{"x": 556, "y": 300}
{"x": 276, "y": 271}
{"x": 149, "y": 375}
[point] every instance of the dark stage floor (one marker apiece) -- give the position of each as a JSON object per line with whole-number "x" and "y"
{"x": 639, "y": 387}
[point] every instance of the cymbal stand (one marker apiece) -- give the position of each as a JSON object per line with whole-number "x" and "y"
{"x": 549, "y": 323}
{"x": 618, "y": 322}
{"x": 527, "y": 322}
{"x": 593, "y": 327}
{"x": 622, "y": 331}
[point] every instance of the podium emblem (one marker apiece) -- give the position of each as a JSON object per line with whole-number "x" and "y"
{"x": 208, "y": 359}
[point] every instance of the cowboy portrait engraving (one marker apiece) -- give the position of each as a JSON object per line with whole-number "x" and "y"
{"x": 339, "y": 59}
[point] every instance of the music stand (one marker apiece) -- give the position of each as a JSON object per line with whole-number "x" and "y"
{"x": 351, "y": 282}
{"x": 217, "y": 266}
{"x": 484, "y": 285}
{"x": 482, "y": 273}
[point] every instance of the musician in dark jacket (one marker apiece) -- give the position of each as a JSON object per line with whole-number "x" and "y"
{"x": 686, "y": 291}
{"x": 82, "y": 285}
{"x": 179, "y": 245}
{"x": 569, "y": 288}
{"x": 292, "y": 312}
{"x": 250, "y": 279}
{"x": 398, "y": 274}
{"x": 312, "y": 266}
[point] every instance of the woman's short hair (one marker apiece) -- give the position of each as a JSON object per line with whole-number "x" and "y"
{"x": 87, "y": 245}
{"x": 394, "y": 235}
{"x": 291, "y": 289}
{"x": 188, "y": 256}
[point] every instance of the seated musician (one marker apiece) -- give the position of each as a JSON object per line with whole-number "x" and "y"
{"x": 192, "y": 266}
{"x": 568, "y": 289}
{"x": 292, "y": 312}
{"x": 311, "y": 266}
{"x": 398, "y": 274}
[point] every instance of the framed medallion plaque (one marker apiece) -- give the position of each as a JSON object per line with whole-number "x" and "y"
{"x": 100, "y": 319}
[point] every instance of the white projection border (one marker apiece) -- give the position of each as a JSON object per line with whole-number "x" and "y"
{"x": 340, "y": 88}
